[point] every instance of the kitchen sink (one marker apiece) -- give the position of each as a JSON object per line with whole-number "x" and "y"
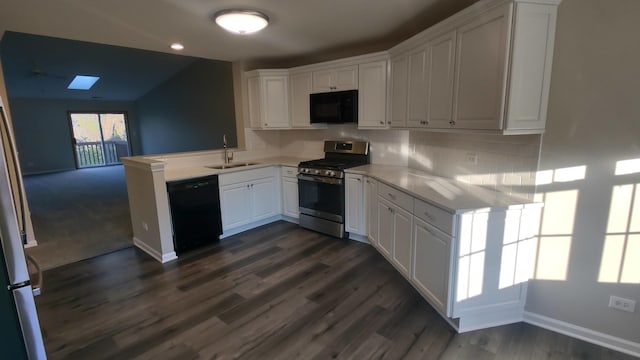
{"x": 231, "y": 166}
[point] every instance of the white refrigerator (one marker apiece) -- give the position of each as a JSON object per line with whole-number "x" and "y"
{"x": 20, "y": 334}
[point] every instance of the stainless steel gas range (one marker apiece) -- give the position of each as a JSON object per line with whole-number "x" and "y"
{"x": 321, "y": 186}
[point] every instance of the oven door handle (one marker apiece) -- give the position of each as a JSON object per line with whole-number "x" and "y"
{"x": 332, "y": 181}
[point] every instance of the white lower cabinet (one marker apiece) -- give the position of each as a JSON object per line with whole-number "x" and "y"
{"x": 394, "y": 234}
{"x": 431, "y": 258}
{"x": 354, "y": 203}
{"x": 248, "y": 196}
{"x": 290, "y": 203}
{"x": 371, "y": 209}
{"x": 451, "y": 258}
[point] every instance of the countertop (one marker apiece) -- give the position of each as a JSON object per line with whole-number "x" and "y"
{"x": 448, "y": 194}
{"x": 198, "y": 171}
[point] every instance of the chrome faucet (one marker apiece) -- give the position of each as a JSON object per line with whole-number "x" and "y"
{"x": 228, "y": 155}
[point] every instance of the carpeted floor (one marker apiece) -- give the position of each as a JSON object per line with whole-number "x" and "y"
{"x": 78, "y": 214}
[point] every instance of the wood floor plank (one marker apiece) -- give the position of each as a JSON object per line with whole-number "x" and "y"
{"x": 275, "y": 292}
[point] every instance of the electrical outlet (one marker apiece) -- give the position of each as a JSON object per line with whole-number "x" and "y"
{"x": 622, "y": 304}
{"x": 145, "y": 226}
{"x": 471, "y": 157}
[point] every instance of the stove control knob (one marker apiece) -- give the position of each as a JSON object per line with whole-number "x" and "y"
{"x": 316, "y": 171}
{"x": 331, "y": 173}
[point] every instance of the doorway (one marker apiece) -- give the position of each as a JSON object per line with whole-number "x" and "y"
{"x": 99, "y": 139}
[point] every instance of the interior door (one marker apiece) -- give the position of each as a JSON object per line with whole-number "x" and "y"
{"x": 99, "y": 139}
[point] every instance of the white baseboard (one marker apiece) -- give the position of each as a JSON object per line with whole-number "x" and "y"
{"x": 490, "y": 316}
{"x": 30, "y": 243}
{"x": 163, "y": 258}
{"x": 579, "y": 332}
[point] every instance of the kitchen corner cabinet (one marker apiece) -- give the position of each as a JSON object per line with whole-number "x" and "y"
{"x": 290, "y": 203}
{"x": 484, "y": 69}
{"x": 248, "y": 196}
{"x": 470, "y": 266}
{"x": 354, "y": 204}
{"x": 268, "y": 93}
{"x": 301, "y": 87}
{"x": 372, "y": 95}
{"x": 335, "y": 79}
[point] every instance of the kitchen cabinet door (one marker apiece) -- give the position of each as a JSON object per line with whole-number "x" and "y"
{"x": 416, "y": 97}
{"x": 290, "y": 197}
{"x": 402, "y": 224}
{"x": 440, "y": 79}
{"x": 235, "y": 205}
{"x": 385, "y": 227}
{"x": 372, "y": 95}
{"x": 264, "y": 198}
{"x": 336, "y": 79}
{"x": 268, "y": 97}
{"x": 275, "y": 102}
{"x": 371, "y": 209}
{"x": 354, "y": 206}
{"x": 481, "y": 71}
{"x": 431, "y": 259}
{"x": 399, "y": 78}
{"x": 300, "y": 89}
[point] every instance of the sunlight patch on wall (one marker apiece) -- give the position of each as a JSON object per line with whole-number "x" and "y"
{"x": 556, "y": 229}
{"x": 620, "y": 261}
{"x": 626, "y": 167}
{"x": 520, "y": 245}
{"x": 569, "y": 174}
{"x": 473, "y": 240}
{"x": 553, "y": 258}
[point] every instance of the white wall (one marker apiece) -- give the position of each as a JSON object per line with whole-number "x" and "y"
{"x": 593, "y": 122}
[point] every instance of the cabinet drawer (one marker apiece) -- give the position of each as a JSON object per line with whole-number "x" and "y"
{"x": 289, "y": 171}
{"x": 433, "y": 215}
{"x": 397, "y": 197}
{"x": 245, "y": 175}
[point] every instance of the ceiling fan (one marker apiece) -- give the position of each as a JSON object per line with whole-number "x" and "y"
{"x": 37, "y": 72}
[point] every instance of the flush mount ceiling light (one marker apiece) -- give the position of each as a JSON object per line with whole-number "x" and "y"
{"x": 241, "y": 21}
{"x": 177, "y": 46}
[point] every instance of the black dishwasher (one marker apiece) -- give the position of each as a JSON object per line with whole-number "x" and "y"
{"x": 195, "y": 212}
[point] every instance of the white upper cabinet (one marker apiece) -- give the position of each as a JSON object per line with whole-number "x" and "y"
{"x": 416, "y": 95}
{"x": 486, "y": 68}
{"x": 268, "y": 92}
{"x": 530, "y": 73}
{"x": 399, "y": 79}
{"x": 336, "y": 79}
{"x": 481, "y": 71}
{"x": 300, "y": 90}
{"x": 372, "y": 95}
{"x": 440, "y": 64}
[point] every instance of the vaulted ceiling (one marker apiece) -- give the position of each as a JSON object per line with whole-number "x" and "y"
{"x": 139, "y": 34}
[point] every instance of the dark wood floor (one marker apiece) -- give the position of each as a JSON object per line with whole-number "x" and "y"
{"x": 276, "y": 292}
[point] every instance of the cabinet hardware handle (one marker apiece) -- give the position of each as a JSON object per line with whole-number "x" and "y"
{"x": 381, "y": 122}
{"x": 452, "y": 123}
{"x": 391, "y": 196}
{"x": 358, "y": 179}
{"x": 429, "y": 216}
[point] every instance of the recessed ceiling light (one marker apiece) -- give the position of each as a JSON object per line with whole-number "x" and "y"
{"x": 177, "y": 46}
{"x": 82, "y": 82}
{"x": 241, "y": 21}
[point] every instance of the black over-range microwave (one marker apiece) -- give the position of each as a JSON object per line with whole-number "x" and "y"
{"x": 334, "y": 107}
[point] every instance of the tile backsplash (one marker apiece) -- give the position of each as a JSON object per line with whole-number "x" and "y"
{"x": 504, "y": 163}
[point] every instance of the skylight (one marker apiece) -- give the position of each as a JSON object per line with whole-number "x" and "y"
{"x": 82, "y": 82}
